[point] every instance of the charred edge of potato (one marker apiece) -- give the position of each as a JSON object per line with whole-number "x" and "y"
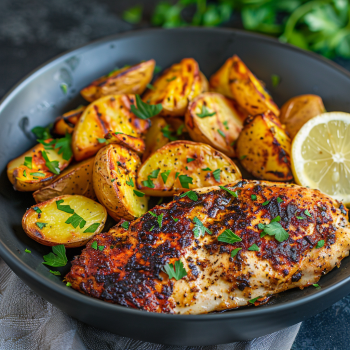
{"x": 220, "y": 130}
{"x": 127, "y": 80}
{"x": 75, "y": 180}
{"x": 263, "y": 148}
{"x": 46, "y": 224}
{"x": 67, "y": 121}
{"x": 114, "y": 180}
{"x": 134, "y": 143}
{"x": 178, "y": 160}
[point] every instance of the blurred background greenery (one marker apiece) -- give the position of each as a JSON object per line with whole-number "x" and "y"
{"x": 322, "y": 26}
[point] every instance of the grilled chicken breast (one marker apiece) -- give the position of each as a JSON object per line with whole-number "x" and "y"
{"x": 127, "y": 267}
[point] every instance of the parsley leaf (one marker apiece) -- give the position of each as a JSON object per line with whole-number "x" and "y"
{"x": 190, "y": 194}
{"x": 101, "y": 247}
{"x": 148, "y": 183}
{"x": 317, "y": 286}
{"x": 168, "y": 133}
{"x": 178, "y": 271}
{"x": 160, "y": 201}
{"x": 65, "y": 208}
{"x": 125, "y": 225}
{"x": 144, "y": 110}
{"x": 68, "y": 284}
{"x": 57, "y": 258}
{"x": 222, "y": 133}
{"x": 154, "y": 174}
{"x": 185, "y": 181}
{"x": 157, "y": 69}
{"x": 216, "y": 174}
{"x": 254, "y": 248}
{"x": 274, "y": 229}
{"x": 265, "y": 203}
{"x": 27, "y": 251}
{"x": 133, "y": 15}
{"x": 160, "y": 220}
{"x": 53, "y": 166}
{"x": 189, "y": 160}
{"x": 56, "y": 273}
{"x": 243, "y": 157}
{"x": 41, "y": 225}
{"x": 24, "y": 173}
{"x": 139, "y": 193}
{"x": 275, "y": 79}
{"x": 300, "y": 217}
{"x": 235, "y": 251}
{"x": 64, "y": 146}
{"x": 252, "y": 301}
{"x": 307, "y": 213}
{"x": 92, "y": 228}
{"x": 176, "y": 175}
{"x": 37, "y": 209}
{"x": 253, "y": 197}
{"x": 279, "y": 200}
{"x": 165, "y": 175}
{"x": 64, "y": 88}
{"x": 130, "y": 182}
{"x": 205, "y": 112}
{"x": 199, "y": 229}
{"x": 206, "y": 169}
{"x": 47, "y": 145}
{"x": 102, "y": 140}
{"x": 94, "y": 245}
{"x": 232, "y": 193}
{"x": 150, "y": 86}
{"x": 175, "y": 219}
{"x": 42, "y": 133}
{"x": 28, "y": 162}
{"x": 171, "y": 79}
{"x": 320, "y": 244}
{"x": 75, "y": 220}
{"x": 37, "y": 174}
{"x": 229, "y": 237}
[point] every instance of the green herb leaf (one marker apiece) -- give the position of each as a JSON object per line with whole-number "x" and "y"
{"x": 92, "y": 228}
{"x": 206, "y": 169}
{"x": 53, "y": 166}
{"x": 226, "y": 124}
{"x": 317, "y": 286}
{"x": 199, "y": 229}
{"x": 185, "y": 181}
{"x": 232, "y": 193}
{"x": 139, "y": 193}
{"x": 157, "y": 69}
{"x": 64, "y": 88}
{"x": 190, "y": 194}
{"x": 160, "y": 220}
{"x": 41, "y": 225}
{"x": 320, "y": 244}
{"x": 243, "y": 157}
{"x": 133, "y": 15}
{"x": 216, "y": 174}
{"x": 300, "y": 217}
{"x": 180, "y": 130}
{"x": 252, "y": 301}
{"x": 27, "y": 251}
{"x": 176, "y": 175}
{"x": 24, "y": 173}
{"x": 57, "y": 257}
{"x": 168, "y": 133}
{"x": 154, "y": 174}
{"x": 125, "y": 225}
{"x": 274, "y": 229}
{"x": 37, "y": 209}
{"x": 150, "y": 86}
{"x": 234, "y": 252}
{"x": 112, "y": 180}
{"x": 101, "y": 140}
{"x": 276, "y": 219}
{"x": 130, "y": 182}
{"x": 65, "y": 208}
{"x": 307, "y": 213}
{"x": 205, "y": 113}
{"x": 253, "y": 197}
{"x": 64, "y": 146}
{"x": 75, "y": 220}
{"x": 275, "y": 79}
{"x": 171, "y": 79}
{"x": 56, "y": 273}
{"x": 144, "y": 110}
{"x": 153, "y": 214}
{"x": 165, "y": 175}
{"x": 279, "y": 200}
{"x": 151, "y": 228}
{"x": 229, "y": 237}
{"x": 265, "y": 203}
{"x": 254, "y": 248}
{"x": 101, "y": 247}
{"x": 94, "y": 245}
{"x": 178, "y": 271}
{"x": 148, "y": 183}
{"x": 48, "y": 145}
{"x": 68, "y": 284}
{"x": 42, "y": 133}
{"x": 222, "y": 133}
{"x": 189, "y": 160}
{"x": 37, "y": 174}
{"x": 175, "y": 219}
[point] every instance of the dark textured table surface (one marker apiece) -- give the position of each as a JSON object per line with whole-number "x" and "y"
{"x": 33, "y": 31}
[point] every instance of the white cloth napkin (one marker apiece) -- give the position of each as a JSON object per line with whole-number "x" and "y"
{"x": 28, "y": 322}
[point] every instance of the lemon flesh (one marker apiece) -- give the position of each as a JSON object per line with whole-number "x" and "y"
{"x": 321, "y": 155}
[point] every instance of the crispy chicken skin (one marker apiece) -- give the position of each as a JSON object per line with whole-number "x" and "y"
{"x": 128, "y": 271}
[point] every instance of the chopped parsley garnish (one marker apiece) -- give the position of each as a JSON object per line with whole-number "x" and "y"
{"x": 232, "y": 193}
{"x": 254, "y": 248}
{"x": 243, "y": 157}
{"x": 276, "y": 219}
{"x": 160, "y": 201}
{"x": 206, "y": 169}
{"x": 205, "y": 112}
{"x": 151, "y": 228}
{"x": 320, "y": 244}
{"x": 275, "y": 79}
{"x": 42, "y": 133}
{"x": 150, "y": 86}
{"x": 154, "y": 174}
{"x": 57, "y": 257}
{"x": 300, "y": 217}
{"x": 102, "y": 140}
{"x": 274, "y": 228}
{"x": 24, "y": 173}
{"x": 160, "y": 220}
{"x": 64, "y": 146}
{"x": 229, "y": 237}
{"x": 148, "y": 183}
{"x": 94, "y": 245}
{"x": 176, "y": 175}
{"x": 178, "y": 271}
{"x": 130, "y": 182}
{"x": 185, "y": 181}
{"x": 56, "y": 273}
{"x": 317, "y": 286}
{"x": 37, "y": 209}
{"x": 189, "y": 160}
{"x": 101, "y": 247}
{"x": 199, "y": 229}
{"x": 92, "y": 228}
{"x": 112, "y": 180}
{"x": 279, "y": 200}
{"x": 168, "y": 133}
{"x": 27, "y": 251}
{"x": 49, "y": 145}
{"x": 144, "y": 110}
{"x": 222, "y": 133}
{"x": 64, "y": 88}
{"x": 235, "y": 251}
{"x": 226, "y": 124}
{"x": 68, "y": 284}
{"x": 65, "y": 208}
{"x": 172, "y": 78}
{"x": 157, "y": 69}
{"x": 190, "y": 194}
{"x": 253, "y": 197}
{"x": 125, "y": 225}
{"x": 175, "y": 219}
{"x": 265, "y": 203}
{"x": 28, "y": 162}
{"x": 307, "y": 213}
{"x": 252, "y": 301}
{"x": 37, "y": 174}
{"x": 180, "y": 129}
{"x": 76, "y": 220}
{"x": 153, "y": 214}
{"x": 41, "y": 225}
{"x": 53, "y": 166}
{"x": 165, "y": 175}
{"x": 216, "y": 174}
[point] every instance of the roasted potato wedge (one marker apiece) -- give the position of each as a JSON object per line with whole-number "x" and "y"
{"x": 298, "y": 110}
{"x": 107, "y": 113}
{"x": 76, "y": 179}
{"x": 29, "y": 172}
{"x": 236, "y": 81}
{"x": 178, "y": 85}
{"x": 73, "y": 225}
{"x": 214, "y": 119}
{"x": 67, "y": 121}
{"x": 184, "y": 165}
{"x": 127, "y": 80}
{"x": 114, "y": 180}
{"x": 263, "y": 148}
{"x": 134, "y": 143}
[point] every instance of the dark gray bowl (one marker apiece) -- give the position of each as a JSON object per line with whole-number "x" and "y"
{"x": 38, "y": 99}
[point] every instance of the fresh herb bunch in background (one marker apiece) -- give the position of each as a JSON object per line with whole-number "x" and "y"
{"x": 318, "y": 25}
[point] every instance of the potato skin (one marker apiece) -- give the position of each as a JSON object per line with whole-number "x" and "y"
{"x": 20, "y": 175}
{"x": 57, "y": 231}
{"x": 176, "y": 86}
{"x": 176, "y": 156}
{"x": 127, "y": 80}
{"x": 107, "y": 113}
{"x": 236, "y": 81}
{"x": 228, "y": 119}
{"x": 67, "y": 121}
{"x": 263, "y": 148}
{"x": 134, "y": 143}
{"x": 298, "y": 110}
{"x": 114, "y": 166}
{"x": 75, "y": 180}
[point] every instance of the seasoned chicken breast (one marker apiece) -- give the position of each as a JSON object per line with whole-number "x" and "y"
{"x": 253, "y": 241}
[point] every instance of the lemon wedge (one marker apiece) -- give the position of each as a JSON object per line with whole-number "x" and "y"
{"x": 321, "y": 155}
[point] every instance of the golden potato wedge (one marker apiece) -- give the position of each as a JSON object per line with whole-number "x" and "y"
{"x": 134, "y": 143}
{"x": 68, "y": 220}
{"x": 178, "y": 85}
{"x": 76, "y": 179}
{"x": 29, "y": 172}
{"x": 67, "y": 121}
{"x": 214, "y": 119}
{"x": 263, "y": 148}
{"x": 236, "y": 81}
{"x": 127, "y": 80}
{"x": 107, "y": 113}
{"x": 184, "y": 165}
{"x": 298, "y": 110}
{"x": 114, "y": 180}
